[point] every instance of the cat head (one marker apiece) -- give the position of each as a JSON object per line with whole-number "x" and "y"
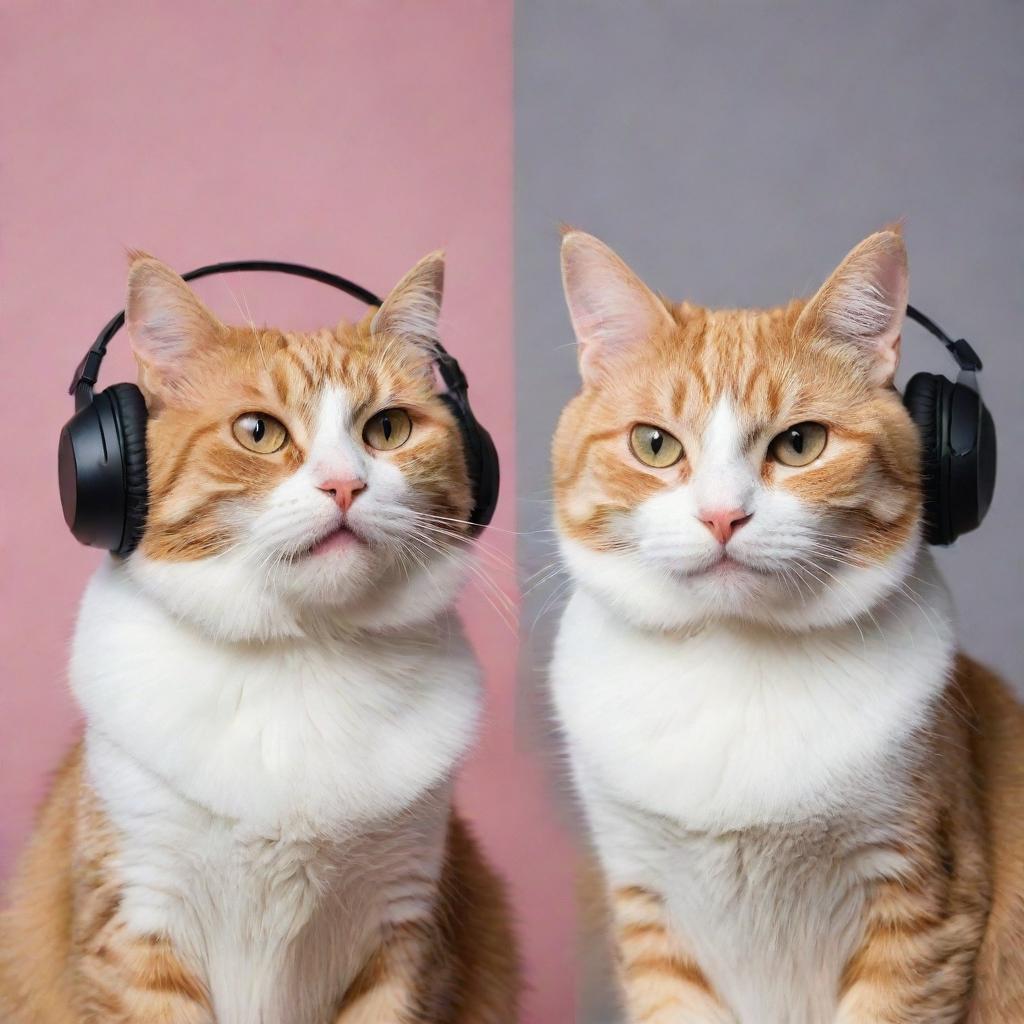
{"x": 756, "y": 465}
{"x": 297, "y": 478}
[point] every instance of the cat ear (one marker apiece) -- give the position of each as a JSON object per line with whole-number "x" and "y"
{"x": 412, "y": 309}
{"x": 166, "y": 322}
{"x": 610, "y": 307}
{"x": 864, "y": 302}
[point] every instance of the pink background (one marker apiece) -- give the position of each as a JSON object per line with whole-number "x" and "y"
{"x": 355, "y": 136}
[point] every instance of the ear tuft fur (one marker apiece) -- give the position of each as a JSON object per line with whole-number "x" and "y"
{"x": 166, "y": 322}
{"x": 134, "y": 255}
{"x": 610, "y": 307}
{"x": 864, "y": 302}
{"x": 412, "y": 309}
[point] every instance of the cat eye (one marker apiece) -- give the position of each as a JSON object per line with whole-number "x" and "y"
{"x": 799, "y": 445}
{"x": 387, "y": 430}
{"x": 654, "y": 446}
{"x": 259, "y": 432}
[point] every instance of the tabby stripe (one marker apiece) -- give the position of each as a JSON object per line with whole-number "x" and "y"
{"x": 773, "y": 399}
{"x": 163, "y": 973}
{"x": 673, "y": 966}
{"x": 279, "y": 376}
{"x": 638, "y": 893}
{"x": 753, "y": 378}
{"x": 105, "y": 914}
{"x": 702, "y": 381}
{"x": 639, "y": 930}
{"x": 300, "y": 366}
{"x": 583, "y": 454}
{"x": 678, "y": 399}
{"x": 185, "y": 456}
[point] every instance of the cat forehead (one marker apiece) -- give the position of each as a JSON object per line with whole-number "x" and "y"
{"x": 750, "y": 358}
{"x": 728, "y": 346}
{"x": 294, "y": 368}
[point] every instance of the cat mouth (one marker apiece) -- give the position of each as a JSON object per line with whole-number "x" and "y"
{"x": 725, "y": 566}
{"x": 339, "y": 538}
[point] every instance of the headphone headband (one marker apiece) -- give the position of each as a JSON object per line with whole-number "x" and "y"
{"x": 87, "y": 372}
{"x": 966, "y": 358}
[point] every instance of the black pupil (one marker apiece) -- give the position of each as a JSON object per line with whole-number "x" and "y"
{"x": 258, "y": 431}
{"x": 385, "y": 426}
{"x": 656, "y": 441}
{"x": 796, "y": 441}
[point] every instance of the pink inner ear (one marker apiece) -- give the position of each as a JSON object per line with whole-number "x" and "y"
{"x": 892, "y": 281}
{"x": 158, "y": 336}
{"x": 412, "y": 310}
{"x": 610, "y": 307}
{"x": 890, "y": 286}
{"x": 865, "y": 301}
{"x": 164, "y": 318}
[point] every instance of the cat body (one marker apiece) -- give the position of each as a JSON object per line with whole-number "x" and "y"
{"x": 758, "y": 784}
{"x": 258, "y": 825}
{"x": 780, "y": 757}
{"x": 311, "y": 780}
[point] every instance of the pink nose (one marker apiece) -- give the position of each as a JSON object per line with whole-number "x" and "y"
{"x": 343, "y": 491}
{"x": 723, "y": 523}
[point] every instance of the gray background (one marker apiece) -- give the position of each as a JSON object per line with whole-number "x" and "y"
{"x": 733, "y": 153}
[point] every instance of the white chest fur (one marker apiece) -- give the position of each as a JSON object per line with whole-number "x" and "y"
{"x": 276, "y": 925}
{"x": 734, "y": 771}
{"x": 270, "y": 796}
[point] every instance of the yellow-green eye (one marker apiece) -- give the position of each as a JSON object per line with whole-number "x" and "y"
{"x": 259, "y": 432}
{"x": 799, "y": 445}
{"x": 387, "y": 430}
{"x": 654, "y": 446}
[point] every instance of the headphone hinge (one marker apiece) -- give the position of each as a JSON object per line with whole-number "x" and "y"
{"x": 454, "y": 379}
{"x": 86, "y": 375}
{"x": 965, "y": 355}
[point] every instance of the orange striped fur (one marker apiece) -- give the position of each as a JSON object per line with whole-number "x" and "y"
{"x": 377, "y": 905}
{"x": 776, "y": 371}
{"x": 661, "y": 979}
{"x": 197, "y": 468}
{"x": 935, "y": 873}
{"x": 66, "y": 956}
{"x": 942, "y": 942}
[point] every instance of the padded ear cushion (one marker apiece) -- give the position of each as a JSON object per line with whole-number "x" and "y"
{"x": 470, "y": 446}
{"x": 488, "y": 479}
{"x": 132, "y": 416}
{"x": 924, "y": 398}
{"x": 986, "y": 468}
{"x": 481, "y": 463}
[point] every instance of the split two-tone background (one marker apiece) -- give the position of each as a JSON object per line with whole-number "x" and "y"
{"x": 731, "y": 152}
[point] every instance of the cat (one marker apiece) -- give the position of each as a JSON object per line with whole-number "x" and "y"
{"x": 804, "y": 804}
{"x": 258, "y": 823}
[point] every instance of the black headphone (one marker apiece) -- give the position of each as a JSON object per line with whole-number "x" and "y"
{"x": 958, "y": 441}
{"x": 101, "y": 459}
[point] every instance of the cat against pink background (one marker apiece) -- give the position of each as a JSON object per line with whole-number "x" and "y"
{"x": 357, "y": 143}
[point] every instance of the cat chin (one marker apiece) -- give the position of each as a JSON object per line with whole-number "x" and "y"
{"x": 651, "y": 598}
{"x": 353, "y": 590}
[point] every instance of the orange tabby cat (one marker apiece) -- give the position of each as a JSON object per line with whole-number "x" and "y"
{"x": 806, "y": 805}
{"x": 258, "y": 824}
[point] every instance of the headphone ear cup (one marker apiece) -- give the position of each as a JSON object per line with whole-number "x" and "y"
{"x": 132, "y": 418}
{"x": 488, "y": 479}
{"x": 923, "y": 398}
{"x": 481, "y": 462}
{"x": 987, "y": 461}
{"x": 958, "y": 454}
